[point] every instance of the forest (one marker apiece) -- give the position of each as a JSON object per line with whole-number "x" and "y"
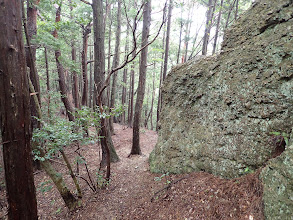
{"x": 81, "y": 102}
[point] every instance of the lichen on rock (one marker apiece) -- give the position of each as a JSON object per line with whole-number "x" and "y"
{"x": 218, "y": 112}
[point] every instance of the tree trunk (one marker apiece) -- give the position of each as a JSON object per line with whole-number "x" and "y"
{"x": 142, "y": 78}
{"x": 218, "y": 28}
{"x": 236, "y": 9}
{"x": 62, "y": 85}
{"x": 115, "y": 64}
{"x": 15, "y": 115}
{"x": 180, "y": 36}
{"x": 91, "y": 79}
{"x": 187, "y": 33}
{"x": 70, "y": 201}
{"x": 167, "y": 40}
{"x": 85, "y": 93}
{"x": 125, "y": 70}
{"x": 48, "y": 85}
{"x": 210, "y": 12}
{"x": 99, "y": 78}
{"x": 32, "y": 32}
{"x": 75, "y": 87}
{"x": 109, "y": 54}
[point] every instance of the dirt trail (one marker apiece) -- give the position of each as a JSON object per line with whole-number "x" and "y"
{"x": 195, "y": 196}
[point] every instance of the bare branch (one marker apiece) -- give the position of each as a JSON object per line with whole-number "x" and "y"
{"x": 86, "y": 2}
{"x": 128, "y": 59}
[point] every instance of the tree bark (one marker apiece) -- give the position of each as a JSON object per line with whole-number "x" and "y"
{"x": 180, "y": 36}
{"x": 142, "y": 77}
{"x": 85, "y": 93}
{"x": 75, "y": 87}
{"x": 167, "y": 40}
{"x": 125, "y": 71}
{"x": 62, "y": 85}
{"x": 99, "y": 78}
{"x": 15, "y": 115}
{"x": 210, "y": 12}
{"x": 218, "y": 27}
{"x": 32, "y": 32}
{"x": 115, "y": 64}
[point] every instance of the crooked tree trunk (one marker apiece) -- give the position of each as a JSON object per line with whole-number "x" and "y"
{"x": 70, "y": 201}
{"x": 115, "y": 64}
{"x": 15, "y": 115}
{"x": 142, "y": 77}
{"x": 62, "y": 85}
{"x": 67, "y": 196}
{"x": 99, "y": 78}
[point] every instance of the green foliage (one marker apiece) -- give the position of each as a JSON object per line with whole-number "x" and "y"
{"x": 101, "y": 181}
{"x": 282, "y": 134}
{"x": 55, "y": 136}
{"x": 45, "y": 186}
{"x": 164, "y": 176}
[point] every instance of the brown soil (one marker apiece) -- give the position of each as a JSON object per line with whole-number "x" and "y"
{"x": 133, "y": 192}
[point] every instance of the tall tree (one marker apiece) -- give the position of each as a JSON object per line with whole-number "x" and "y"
{"x": 209, "y": 18}
{"x": 125, "y": 71}
{"x": 167, "y": 40}
{"x": 15, "y": 114}
{"x": 31, "y": 34}
{"x": 116, "y": 60}
{"x": 85, "y": 92}
{"x": 142, "y": 78}
{"x": 62, "y": 85}
{"x": 99, "y": 80}
{"x": 218, "y": 27}
{"x": 75, "y": 87}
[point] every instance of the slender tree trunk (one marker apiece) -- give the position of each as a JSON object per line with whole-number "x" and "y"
{"x": 48, "y": 85}
{"x": 125, "y": 70}
{"x": 210, "y": 12}
{"x": 167, "y": 40}
{"x": 146, "y": 109}
{"x": 115, "y": 64}
{"x": 70, "y": 201}
{"x": 229, "y": 14}
{"x": 161, "y": 80}
{"x": 75, "y": 87}
{"x": 187, "y": 33}
{"x": 180, "y": 36}
{"x": 217, "y": 28}
{"x": 91, "y": 79}
{"x": 99, "y": 78}
{"x": 109, "y": 54}
{"x": 236, "y": 9}
{"x": 15, "y": 115}
{"x": 131, "y": 96}
{"x": 62, "y": 85}
{"x": 85, "y": 93}
{"x": 32, "y": 32}
{"x": 142, "y": 76}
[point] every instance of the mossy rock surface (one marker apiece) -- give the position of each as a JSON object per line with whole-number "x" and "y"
{"x": 218, "y": 112}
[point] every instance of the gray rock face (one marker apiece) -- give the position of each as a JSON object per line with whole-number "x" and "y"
{"x": 218, "y": 112}
{"x": 277, "y": 178}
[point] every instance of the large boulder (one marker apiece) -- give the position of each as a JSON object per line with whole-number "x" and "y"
{"x": 277, "y": 178}
{"x": 219, "y": 112}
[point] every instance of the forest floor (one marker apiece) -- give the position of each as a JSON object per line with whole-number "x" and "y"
{"x": 135, "y": 193}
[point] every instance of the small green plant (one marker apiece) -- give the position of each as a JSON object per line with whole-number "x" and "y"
{"x": 101, "y": 181}
{"x": 247, "y": 170}
{"x": 282, "y": 134}
{"x": 45, "y": 186}
{"x": 164, "y": 176}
